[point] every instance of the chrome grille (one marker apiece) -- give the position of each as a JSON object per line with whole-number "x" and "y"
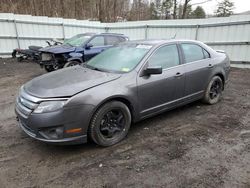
{"x": 27, "y": 103}
{"x": 25, "y": 106}
{"x": 23, "y": 109}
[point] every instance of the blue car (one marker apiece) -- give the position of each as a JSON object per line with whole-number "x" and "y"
{"x": 78, "y": 49}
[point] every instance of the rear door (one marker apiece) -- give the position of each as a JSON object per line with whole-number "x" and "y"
{"x": 198, "y": 67}
{"x": 161, "y": 91}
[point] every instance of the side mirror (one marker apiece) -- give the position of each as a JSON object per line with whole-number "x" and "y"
{"x": 88, "y": 46}
{"x": 153, "y": 70}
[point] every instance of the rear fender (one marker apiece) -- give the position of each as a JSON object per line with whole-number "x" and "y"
{"x": 219, "y": 71}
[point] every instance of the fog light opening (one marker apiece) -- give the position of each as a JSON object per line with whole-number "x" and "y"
{"x": 52, "y": 133}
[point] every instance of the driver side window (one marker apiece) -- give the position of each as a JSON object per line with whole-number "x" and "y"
{"x": 97, "y": 41}
{"x": 166, "y": 57}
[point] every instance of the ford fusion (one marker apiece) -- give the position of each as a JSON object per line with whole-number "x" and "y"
{"x": 127, "y": 83}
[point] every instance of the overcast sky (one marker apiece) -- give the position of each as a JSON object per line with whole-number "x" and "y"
{"x": 210, "y": 7}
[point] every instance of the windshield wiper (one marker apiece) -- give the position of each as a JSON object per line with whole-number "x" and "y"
{"x": 93, "y": 68}
{"x": 97, "y": 69}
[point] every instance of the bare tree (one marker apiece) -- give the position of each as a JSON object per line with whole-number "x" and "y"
{"x": 175, "y": 9}
{"x": 102, "y": 10}
{"x": 185, "y": 6}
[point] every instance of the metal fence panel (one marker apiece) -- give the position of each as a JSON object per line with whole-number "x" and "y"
{"x": 133, "y": 33}
{"x": 230, "y": 33}
{"x": 178, "y": 33}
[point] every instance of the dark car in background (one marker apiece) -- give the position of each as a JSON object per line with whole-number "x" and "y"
{"x": 78, "y": 49}
{"x": 127, "y": 83}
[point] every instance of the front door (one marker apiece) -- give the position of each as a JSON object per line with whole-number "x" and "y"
{"x": 162, "y": 91}
{"x": 98, "y": 45}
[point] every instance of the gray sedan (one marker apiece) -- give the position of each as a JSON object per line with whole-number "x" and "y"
{"x": 127, "y": 83}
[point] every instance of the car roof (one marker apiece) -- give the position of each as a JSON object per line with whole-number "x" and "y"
{"x": 88, "y": 33}
{"x": 103, "y": 34}
{"x": 119, "y": 34}
{"x": 112, "y": 34}
{"x": 156, "y": 42}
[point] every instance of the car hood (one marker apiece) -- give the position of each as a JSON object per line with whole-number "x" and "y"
{"x": 67, "y": 82}
{"x": 58, "y": 49}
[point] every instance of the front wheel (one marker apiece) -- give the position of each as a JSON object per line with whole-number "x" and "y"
{"x": 71, "y": 63}
{"x": 50, "y": 68}
{"x": 214, "y": 91}
{"x": 110, "y": 124}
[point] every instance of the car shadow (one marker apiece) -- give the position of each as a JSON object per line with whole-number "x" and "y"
{"x": 134, "y": 129}
{"x": 163, "y": 116}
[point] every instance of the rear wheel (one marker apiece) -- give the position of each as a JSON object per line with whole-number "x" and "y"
{"x": 20, "y": 59}
{"x": 71, "y": 63}
{"x": 214, "y": 91}
{"x": 110, "y": 124}
{"x": 14, "y": 54}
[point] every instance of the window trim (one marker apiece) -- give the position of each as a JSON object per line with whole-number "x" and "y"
{"x": 209, "y": 56}
{"x": 183, "y": 54}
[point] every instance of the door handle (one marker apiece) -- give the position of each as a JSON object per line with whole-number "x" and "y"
{"x": 178, "y": 74}
{"x": 210, "y": 65}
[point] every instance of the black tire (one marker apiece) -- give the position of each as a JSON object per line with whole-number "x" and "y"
{"x": 71, "y": 63}
{"x": 14, "y": 54}
{"x": 110, "y": 123}
{"x": 214, "y": 91}
{"x": 37, "y": 57}
{"x": 20, "y": 59}
{"x": 49, "y": 68}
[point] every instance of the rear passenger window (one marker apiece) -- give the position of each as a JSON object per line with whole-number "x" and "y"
{"x": 166, "y": 57}
{"x": 193, "y": 52}
{"x": 122, "y": 39}
{"x": 112, "y": 40}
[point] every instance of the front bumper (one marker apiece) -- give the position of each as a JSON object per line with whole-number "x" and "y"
{"x": 56, "y": 126}
{"x": 44, "y": 126}
{"x": 64, "y": 141}
{"x": 48, "y": 63}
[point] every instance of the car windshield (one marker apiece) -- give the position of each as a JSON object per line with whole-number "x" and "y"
{"x": 120, "y": 58}
{"x": 77, "y": 40}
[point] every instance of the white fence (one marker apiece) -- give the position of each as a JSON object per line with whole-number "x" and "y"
{"x": 231, "y": 34}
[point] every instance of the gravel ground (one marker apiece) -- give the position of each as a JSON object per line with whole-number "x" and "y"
{"x": 193, "y": 146}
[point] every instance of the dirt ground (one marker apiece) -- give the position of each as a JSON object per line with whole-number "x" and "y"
{"x": 193, "y": 146}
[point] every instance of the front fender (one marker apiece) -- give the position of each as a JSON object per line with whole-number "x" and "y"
{"x": 76, "y": 57}
{"x": 122, "y": 89}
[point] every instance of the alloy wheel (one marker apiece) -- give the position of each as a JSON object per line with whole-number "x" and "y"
{"x": 215, "y": 89}
{"x": 112, "y": 123}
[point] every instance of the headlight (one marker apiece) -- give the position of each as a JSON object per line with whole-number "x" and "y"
{"x": 46, "y": 57}
{"x": 49, "y": 106}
